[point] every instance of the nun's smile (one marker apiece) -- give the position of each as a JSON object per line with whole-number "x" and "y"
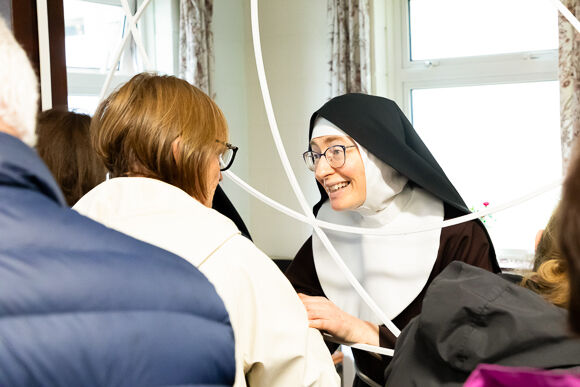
{"x": 345, "y": 185}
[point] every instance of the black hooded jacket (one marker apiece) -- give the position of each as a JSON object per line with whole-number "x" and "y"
{"x": 472, "y": 316}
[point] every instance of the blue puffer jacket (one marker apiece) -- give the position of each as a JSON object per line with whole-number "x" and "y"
{"x": 83, "y": 305}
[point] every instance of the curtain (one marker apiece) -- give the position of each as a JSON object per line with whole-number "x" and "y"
{"x": 350, "y": 42}
{"x": 569, "y": 74}
{"x": 196, "y": 63}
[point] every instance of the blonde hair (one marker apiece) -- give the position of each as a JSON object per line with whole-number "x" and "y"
{"x": 134, "y": 130}
{"x": 551, "y": 282}
{"x": 550, "y": 276}
{"x": 18, "y": 87}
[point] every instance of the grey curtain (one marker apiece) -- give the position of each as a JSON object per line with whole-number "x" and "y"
{"x": 196, "y": 63}
{"x": 569, "y": 74}
{"x": 350, "y": 41}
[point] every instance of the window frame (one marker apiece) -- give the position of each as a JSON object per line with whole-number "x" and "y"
{"x": 404, "y": 75}
{"x": 89, "y": 82}
{"x": 395, "y": 75}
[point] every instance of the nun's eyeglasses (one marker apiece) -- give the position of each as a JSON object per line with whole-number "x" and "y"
{"x": 335, "y": 156}
{"x": 227, "y": 156}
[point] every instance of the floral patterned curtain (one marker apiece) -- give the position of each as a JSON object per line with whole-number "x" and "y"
{"x": 196, "y": 44}
{"x": 350, "y": 41}
{"x": 569, "y": 63}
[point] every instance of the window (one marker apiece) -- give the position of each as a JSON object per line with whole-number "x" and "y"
{"x": 479, "y": 82}
{"x": 460, "y": 28}
{"x": 95, "y": 28}
{"x": 94, "y": 25}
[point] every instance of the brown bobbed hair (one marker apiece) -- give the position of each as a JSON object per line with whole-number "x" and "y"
{"x": 569, "y": 237}
{"x": 134, "y": 129}
{"x": 64, "y": 145}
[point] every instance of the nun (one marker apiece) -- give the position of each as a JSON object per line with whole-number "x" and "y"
{"x": 373, "y": 171}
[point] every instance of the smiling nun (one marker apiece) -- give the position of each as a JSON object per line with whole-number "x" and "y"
{"x": 373, "y": 171}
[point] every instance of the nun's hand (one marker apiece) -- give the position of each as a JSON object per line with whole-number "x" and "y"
{"x": 325, "y": 316}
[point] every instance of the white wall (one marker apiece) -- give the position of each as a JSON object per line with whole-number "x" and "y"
{"x": 296, "y": 51}
{"x": 230, "y": 46}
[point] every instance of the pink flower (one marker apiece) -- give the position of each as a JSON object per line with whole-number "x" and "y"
{"x": 486, "y": 204}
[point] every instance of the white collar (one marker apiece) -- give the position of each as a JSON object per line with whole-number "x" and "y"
{"x": 158, "y": 213}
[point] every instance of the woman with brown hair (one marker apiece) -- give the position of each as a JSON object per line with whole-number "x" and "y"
{"x": 63, "y": 143}
{"x": 165, "y": 143}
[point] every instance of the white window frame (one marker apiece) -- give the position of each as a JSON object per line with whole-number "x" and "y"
{"x": 163, "y": 56}
{"x": 395, "y": 75}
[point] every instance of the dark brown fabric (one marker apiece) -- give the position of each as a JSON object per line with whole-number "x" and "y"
{"x": 222, "y": 204}
{"x": 25, "y": 28}
{"x": 466, "y": 242}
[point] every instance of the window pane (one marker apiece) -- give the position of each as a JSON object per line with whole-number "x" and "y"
{"x": 496, "y": 143}
{"x": 83, "y": 103}
{"x": 457, "y": 28}
{"x": 92, "y": 33}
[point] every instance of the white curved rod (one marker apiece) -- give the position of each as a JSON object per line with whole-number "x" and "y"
{"x": 292, "y": 178}
{"x": 375, "y": 349}
{"x": 302, "y": 200}
{"x": 119, "y": 52}
{"x": 566, "y": 13}
{"x": 369, "y": 231}
{"x": 364, "y": 347}
{"x": 447, "y": 223}
{"x": 353, "y": 281}
{"x": 136, "y": 34}
{"x": 355, "y": 284}
{"x": 270, "y": 111}
{"x": 265, "y": 199}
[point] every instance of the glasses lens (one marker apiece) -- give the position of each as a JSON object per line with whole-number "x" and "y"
{"x": 226, "y": 157}
{"x": 310, "y": 160}
{"x": 335, "y": 156}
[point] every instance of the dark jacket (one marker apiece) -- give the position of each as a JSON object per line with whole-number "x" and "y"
{"x": 472, "y": 316}
{"x": 83, "y": 305}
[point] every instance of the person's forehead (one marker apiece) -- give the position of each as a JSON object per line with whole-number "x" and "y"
{"x": 325, "y": 141}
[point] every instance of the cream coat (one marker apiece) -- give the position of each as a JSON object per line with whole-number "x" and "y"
{"x": 274, "y": 345}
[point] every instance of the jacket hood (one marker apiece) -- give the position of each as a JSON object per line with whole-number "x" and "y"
{"x": 471, "y": 316}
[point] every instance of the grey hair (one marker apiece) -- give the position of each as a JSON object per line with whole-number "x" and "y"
{"x": 18, "y": 87}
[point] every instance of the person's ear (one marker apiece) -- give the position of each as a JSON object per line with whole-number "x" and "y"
{"x": 175, "y": 149}
{"x": 538, "y": 239}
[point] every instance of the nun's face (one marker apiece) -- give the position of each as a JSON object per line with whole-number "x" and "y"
{"x": 345, "y": 185}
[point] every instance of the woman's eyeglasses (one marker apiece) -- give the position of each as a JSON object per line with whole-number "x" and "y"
{"x": 227, "y": 156}
{"x": 335, "y": 156}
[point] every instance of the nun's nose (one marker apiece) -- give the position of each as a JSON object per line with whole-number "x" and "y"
{"x": 323, "y": 168}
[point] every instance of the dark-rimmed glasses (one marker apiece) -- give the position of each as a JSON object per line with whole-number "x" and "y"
{"x": 335, "y": 156}
{"x": 227, "y": 156}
